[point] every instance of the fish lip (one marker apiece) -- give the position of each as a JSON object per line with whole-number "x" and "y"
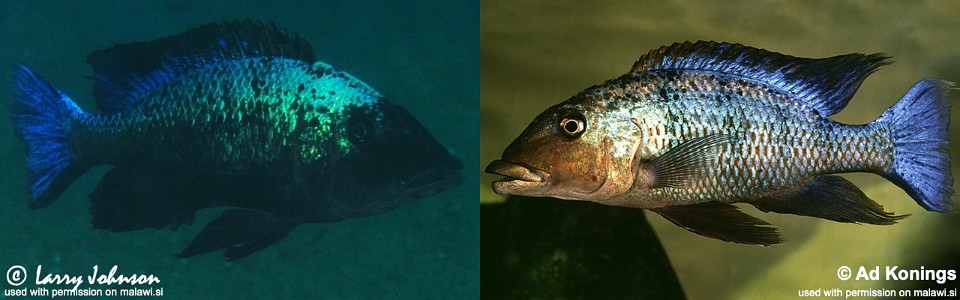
{"x": 435, "y": 180}
{"x": 517, "y": 177}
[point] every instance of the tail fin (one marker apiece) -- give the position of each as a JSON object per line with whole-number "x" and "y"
{"x": 921, "y": 162}
{"x": 43, "y": 116}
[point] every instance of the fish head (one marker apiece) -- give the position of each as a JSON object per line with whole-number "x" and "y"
{"x": 391, "y": 160}
{"x": 576, "y": 150}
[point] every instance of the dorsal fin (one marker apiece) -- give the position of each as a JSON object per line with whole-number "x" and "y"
{"x": 125, "y": 72}
{"x": 826, "y": 83}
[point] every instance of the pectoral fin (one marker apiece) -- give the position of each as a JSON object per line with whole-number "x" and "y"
{"x": 832, "y": 198}
{"x": 241, "y": 232}
{"x": 689, "y": 160}
{"x": 721, "y": 221}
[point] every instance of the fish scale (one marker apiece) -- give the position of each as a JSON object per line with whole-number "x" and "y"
{"x": 271, "y": 118}
{"x": 237, "y": 114}
{"x": 697, "y": 126}
{"x": 759, "y": 115}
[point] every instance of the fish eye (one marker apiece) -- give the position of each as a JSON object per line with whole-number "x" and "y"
{"x": 573, "y": 124}
{"x": 358, "y": 132}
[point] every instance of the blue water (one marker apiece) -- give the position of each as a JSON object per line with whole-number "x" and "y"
{"x": 421, "y": 54}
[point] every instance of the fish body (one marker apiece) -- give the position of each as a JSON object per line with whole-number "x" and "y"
{"x": 695, "y": 127}
{"x": 234, "y": 114}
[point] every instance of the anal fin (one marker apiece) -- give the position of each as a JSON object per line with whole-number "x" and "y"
{"x": 832, "y": 198}
{"x": 241, "y": 232}
{"x": 133, "y": 198}
{"x": 721, "y": 221}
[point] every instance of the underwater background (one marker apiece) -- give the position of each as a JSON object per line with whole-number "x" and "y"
{"x": 420, "y": 54}
{"x": 535, "y": 54}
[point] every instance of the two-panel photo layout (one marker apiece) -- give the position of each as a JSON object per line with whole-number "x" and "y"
{"x": 489, "y": 149}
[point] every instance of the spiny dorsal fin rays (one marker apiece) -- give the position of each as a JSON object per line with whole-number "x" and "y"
{"x": 827, "y": 84}
{"x": 686, "y": 161}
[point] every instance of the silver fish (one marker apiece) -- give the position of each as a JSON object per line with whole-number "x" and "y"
{"x": 695, "y": 127}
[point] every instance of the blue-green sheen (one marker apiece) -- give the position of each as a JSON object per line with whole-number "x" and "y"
{"x": 240, "y": 114}
{"x": 235, "y": 114}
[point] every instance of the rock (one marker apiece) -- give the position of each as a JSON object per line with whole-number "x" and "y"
{"x": 552, "y": 249}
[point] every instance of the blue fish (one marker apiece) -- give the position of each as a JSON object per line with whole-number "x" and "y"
{"x": 237, "y": 114}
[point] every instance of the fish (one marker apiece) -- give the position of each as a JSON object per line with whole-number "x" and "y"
{"x": 696, "y": 127}
{"x": 235, "y": 114}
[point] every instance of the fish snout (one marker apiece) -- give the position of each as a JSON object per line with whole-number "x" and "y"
{"x": 517, "y": 178}
{"x": 445, "y": 175}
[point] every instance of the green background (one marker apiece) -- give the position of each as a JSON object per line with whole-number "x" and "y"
{"x": 537, "y": 53}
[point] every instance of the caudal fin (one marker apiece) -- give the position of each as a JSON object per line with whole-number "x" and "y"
{"x": 43, "y": 116}
{"x": 921, "y": 162}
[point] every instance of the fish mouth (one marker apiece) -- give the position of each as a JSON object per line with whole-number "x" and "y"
{"x": 517, "y": 178}
{"x": 434, "y": 180}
